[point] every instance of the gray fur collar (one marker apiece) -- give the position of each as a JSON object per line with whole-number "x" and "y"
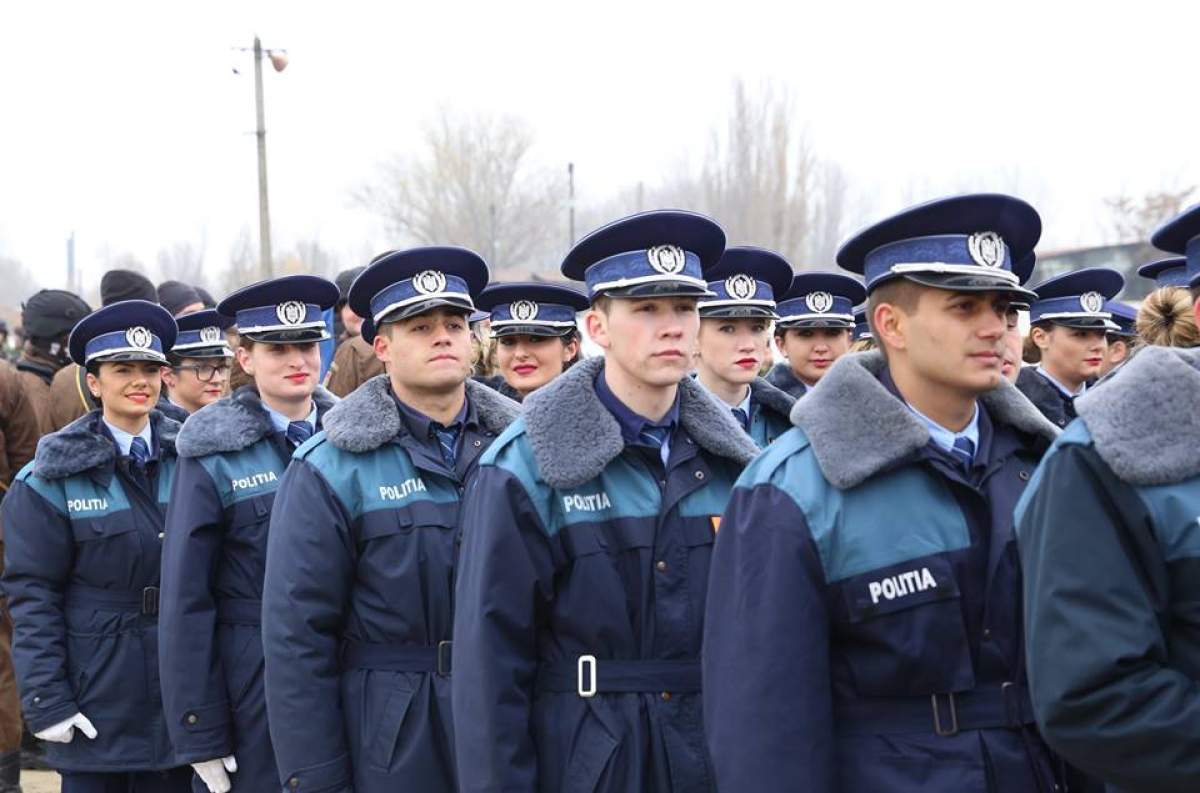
{"x": 858, "y": 428}
{"x": 773, "y": 398}
{"x": 235, "y": 422}
{"x": 368, "y": 417}
{"x": 574, "y": 436}
{"x": 1144, "y": 421}
{"x": 83, "y": 446}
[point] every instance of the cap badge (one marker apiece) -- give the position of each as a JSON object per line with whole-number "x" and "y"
{"x": 1092, "y": 302}
{"x": 741, "y": 286}
{"x": 210, "y": 335}
{"x": 666, "y": 259}
{"x": 523, "y": 310}
{"x": 429, "y": 282}
{"x": 290, "y": 313}
{"x": 139, "y": 337}
{"x": 819, "y": 302}
{"x": 986, "y": 249}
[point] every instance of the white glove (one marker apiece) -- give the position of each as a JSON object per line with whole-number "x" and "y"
{"x": 213, "y": 773}
{"x": 64, "y": 731}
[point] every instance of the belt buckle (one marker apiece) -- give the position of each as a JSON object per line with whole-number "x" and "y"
{"x": 945, "y": 732}
{"x": 150, "y": 601}
{"x": 1012, "y": 709}
{"x": 585, "y": 669}
{"x": 443, "y": 658}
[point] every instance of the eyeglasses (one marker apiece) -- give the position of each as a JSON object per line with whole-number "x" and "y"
{"x": 206, "y": 371}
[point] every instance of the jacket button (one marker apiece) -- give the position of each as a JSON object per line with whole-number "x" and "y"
{"x": 662, "y": 482}
{"x": 666, "y": 695}
{"x": 1024, "y": 476}
{"x": 661, "y": 566}
{"x": 293, "y": 783}
{"x": 987, "y": 633}
{"x": 699, "y": 475}
{"x": 478, "y": 443}
{"x": 192, "y": 718}
{"x": 161, "y": 535}
{"x": 37, "y": 700}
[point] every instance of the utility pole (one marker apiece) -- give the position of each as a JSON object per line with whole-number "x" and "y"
{"x": 264, "y": 210}
{"x": 571, "y": 204}
{"x": 71, "y": 275}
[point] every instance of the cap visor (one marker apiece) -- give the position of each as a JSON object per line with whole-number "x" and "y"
{"x": 660, "y": 289}
{"x": 424, "y": 307}
{"x": 836, "y": 324}
{"x": 149, "y": 356}
{"x": 970, "y": 283}
{"x": 738, "y": 312}
{"x": 1083, "y": 323}
{"x": 529, "y": 330}
{"x": 303, "y": 336}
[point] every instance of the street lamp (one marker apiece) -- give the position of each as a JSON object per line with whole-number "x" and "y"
{"x": 279, "y": 60}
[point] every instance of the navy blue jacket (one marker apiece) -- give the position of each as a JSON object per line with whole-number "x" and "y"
{"x": 860, "y": 578}
{"x": 1056, "y": 406}
{"x": 782, "y": 377}
{"x": 83, "y": 540}
{"x": 231, "y": 459}
{"x": 358, "y": 601}
{"x": 770, "y": 408}
{"x": 579, "y": 546}
{"x": 1110, "y": 543}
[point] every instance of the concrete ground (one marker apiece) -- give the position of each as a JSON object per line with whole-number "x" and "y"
{"x": 39, "y": 782}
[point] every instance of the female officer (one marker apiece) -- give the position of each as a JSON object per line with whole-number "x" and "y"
{"x": 1069, "y": 322}
{"x": 84, "y": 526}
{"x": 534, "y": 333}
{"x": 816, "y": 319}
{"x": 232, "y": 455}
{"x": 199, "y": 361}
{"x": 735, "y": 339}
{"x": 864, "y": 340}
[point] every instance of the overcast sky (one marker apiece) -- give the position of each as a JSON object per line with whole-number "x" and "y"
{"x": 130, "y": 128}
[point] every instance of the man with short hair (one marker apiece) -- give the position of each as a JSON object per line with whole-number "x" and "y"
{"x": 361, "y": 557}
{"x": 587, "y": 539}
{"x": 863, "y": 625}
{"x": 47, "y": 318}
{"x": 355, "y": 361}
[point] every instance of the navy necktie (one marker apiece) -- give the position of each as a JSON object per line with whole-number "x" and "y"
{"x": 742, "y": 418}
{"x": 298, "y": 432}
{"x": 448, "y": 442}
{"x": 653, "y": 436}
{"x": 139, "y": 453}
{"x": 964, "y": 450}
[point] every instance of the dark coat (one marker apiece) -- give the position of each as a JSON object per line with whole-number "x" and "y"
{"x": 1110, "y": 545}
{"x": 860, "y": 577}
{"x": 83, "y": 542}
{"x": 578, "y": 546}
{"x": 231, "y": 459}
{"x": 1057, "y": 407}
{"x": 782, "y": 377}
{"x": 358, "y": 598}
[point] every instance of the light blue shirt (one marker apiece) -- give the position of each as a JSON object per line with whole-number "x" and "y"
{"x": 281, "y": 422}
{"x": 125, "y": 440}
{"x": 945, "y": 438}
{"x": 1065, "y": 391}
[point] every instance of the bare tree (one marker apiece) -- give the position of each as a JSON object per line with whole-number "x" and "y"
{"x": 183, "y": 261}
{"x": 1134, "y": 219}
{"x": 243, "y": 262}
{"x": 311, "y": 258}
{"x": 473, "y": 184}
{"x": 18, "y": 282}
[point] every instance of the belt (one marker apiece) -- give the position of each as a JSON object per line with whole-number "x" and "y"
{"x": 140, "y": 601}
{"x": 989, "y": 706}
{"x": 588, "y": 677}
{"x": 239, "y": 611}
{"x": 398, "y": 657}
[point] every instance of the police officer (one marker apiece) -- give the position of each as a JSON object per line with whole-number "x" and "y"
{"x": 533, "y": 328}
{"x": 355, "y": 361}
{"x": 816, "y": 320}
{"x": 1121, "y": 336}
{"x": 232, "y": 455}
{"x": 47, "y": 318}
{"x": 69, "y": 394}
{"x": 200, "y": 361}
{"x": 735, "y": 339}
{"x": 1110, "y": 546}
{"x": 588, "y": 533}
{"x": 863, "y": 340}
{"x": 863, "y": 625}
{"x": 83, "y": 531}
{"x": 1169, "y": 272}
{"x": 364, "y": 539}
{"x": 1069, "y": 325}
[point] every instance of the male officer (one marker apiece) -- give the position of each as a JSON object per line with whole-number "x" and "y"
{"x": 735, "y": 339}
{"x": 232, "y": 454}
{"x": 1110, "y": 545}
{"x": 588, "y": 535}
{"x": 816, "y": 320}
{"x": 864, "y": 609}
{"x": 1069, "y": 322}
{"x": 358, "y": 600}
